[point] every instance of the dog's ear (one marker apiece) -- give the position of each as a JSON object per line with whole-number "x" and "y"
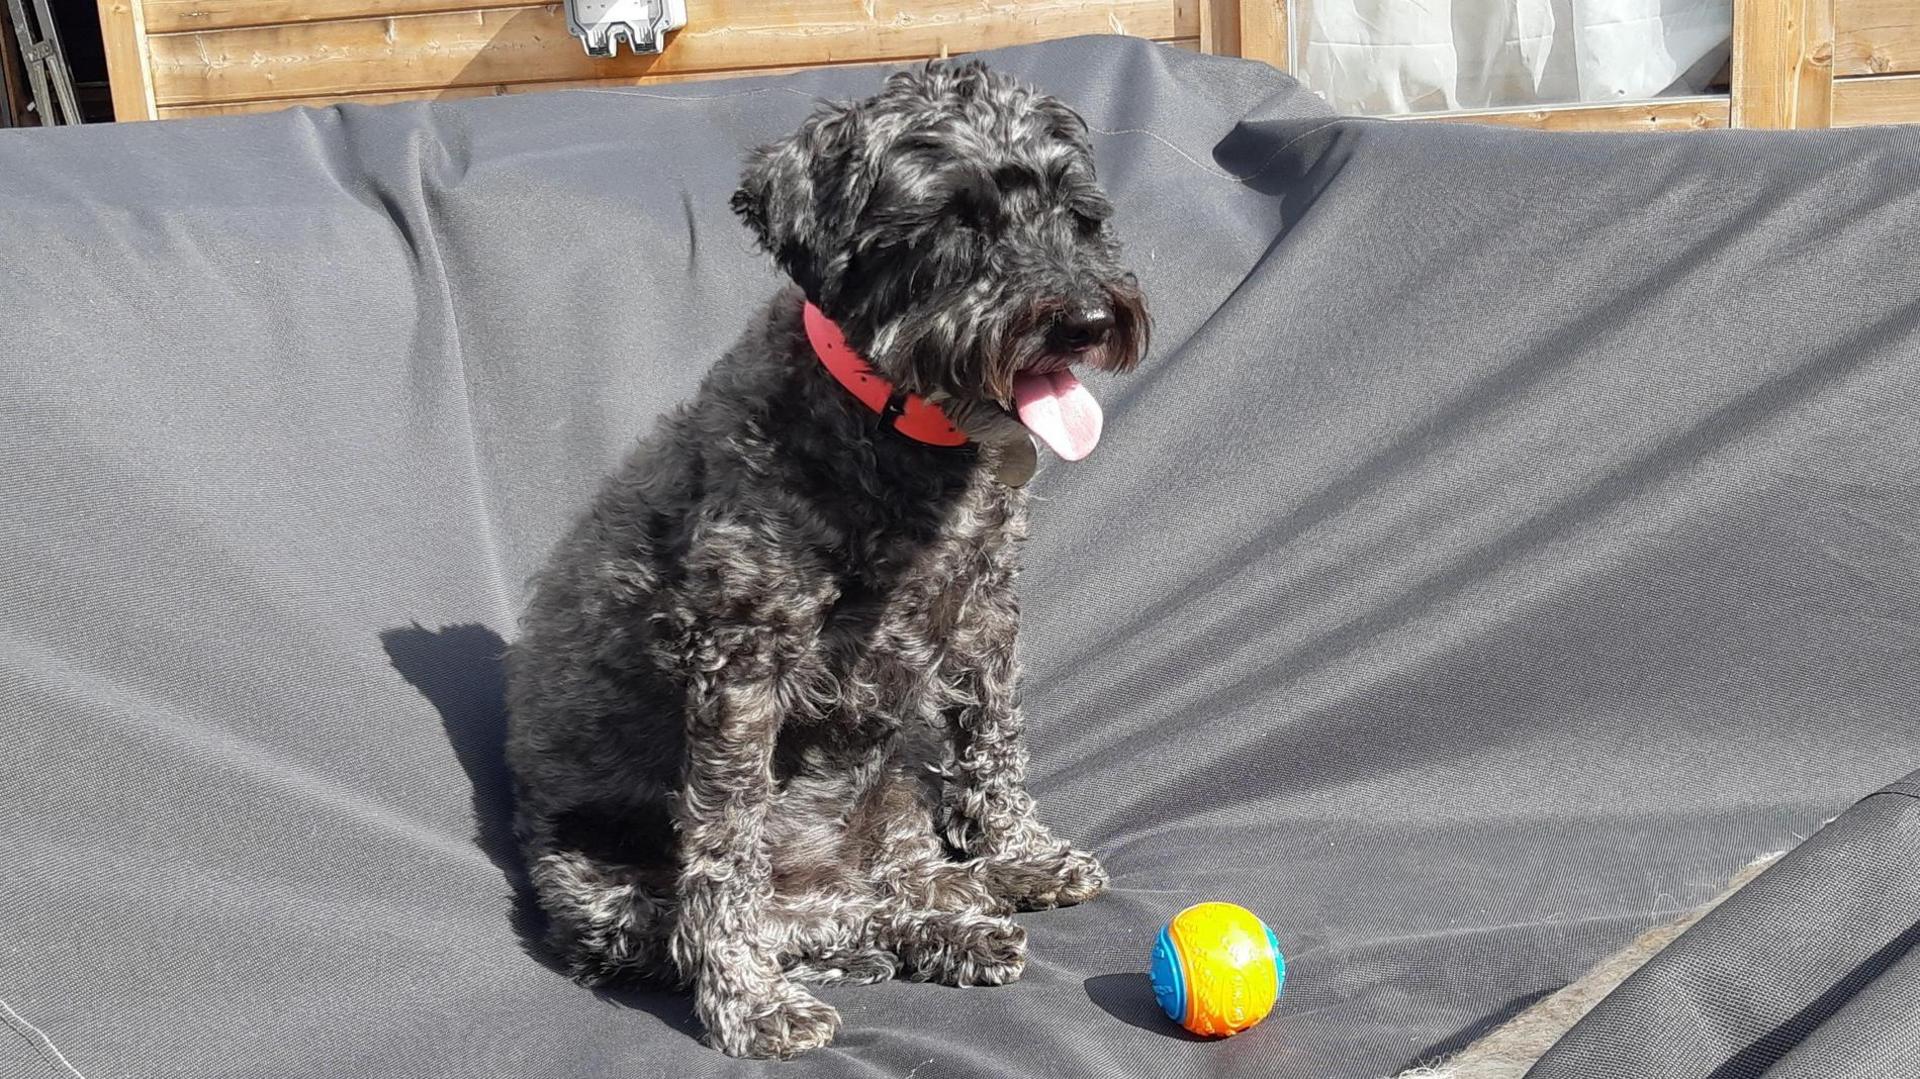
{"x": 794, "y": 194}
{"x": 1064, "y": 123}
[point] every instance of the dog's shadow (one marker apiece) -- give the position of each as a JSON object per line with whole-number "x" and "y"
{"x": 461, "y": 671}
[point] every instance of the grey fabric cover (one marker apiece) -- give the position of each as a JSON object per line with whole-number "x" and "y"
{"x": 1809, "y": 972}
{"x": 1510, "y": 536}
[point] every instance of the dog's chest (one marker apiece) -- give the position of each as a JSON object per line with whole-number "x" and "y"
{"x": 912, "y": 627}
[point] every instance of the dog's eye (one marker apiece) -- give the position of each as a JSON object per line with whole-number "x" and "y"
{"x": 1010, "y": 178}
{"x": 1087, "y": 224}
{"x": 975, "y": 202}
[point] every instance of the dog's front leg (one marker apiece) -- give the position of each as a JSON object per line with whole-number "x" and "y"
{"x": 991, "y": 816}
{"x": 748, "y": 1005}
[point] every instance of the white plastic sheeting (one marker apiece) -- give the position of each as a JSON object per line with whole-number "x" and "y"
{"x": 1394, "y": 56}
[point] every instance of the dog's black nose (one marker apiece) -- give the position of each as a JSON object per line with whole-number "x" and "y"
{"x": 1082, "y": 327}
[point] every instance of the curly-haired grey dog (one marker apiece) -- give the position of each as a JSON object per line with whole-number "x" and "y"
{"x": 765, "y": 726}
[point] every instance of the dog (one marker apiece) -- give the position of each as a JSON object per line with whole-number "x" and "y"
{"x": 765, "y": 727}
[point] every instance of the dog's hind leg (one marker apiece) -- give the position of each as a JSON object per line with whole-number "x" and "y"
{"x": 610, "y": 922}
{"x": 942, "y": 918}
{"x": 908, "y": 862}
{"x": 955, "y": 947}
{"x": 939, "y": 916}
{"x": 606, "y": 921}
{"x": 837, "y": 938}
{"x": 835, "y": 965}
{"x": 828, "y": 938}
{"x": 825, "y": 912}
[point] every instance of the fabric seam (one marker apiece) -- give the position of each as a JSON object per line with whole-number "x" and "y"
{"x": 42, "y": 1045}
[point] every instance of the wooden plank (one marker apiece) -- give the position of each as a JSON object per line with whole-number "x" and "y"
{"x": 1672, "y": 114}
{"x": 1220, "y": 27}
{"x": 457, "y": 93}
{"x": 178, "y": 16}
{"x": 122, "y": 31}
{"x": 1888, "y": 99}
{"x": 1814, "y": 75}
{"x": 1263, "y": 32}
{"x": 530, "y": 44}
{"x": 1782, "y": 71}
{"x": 1875, "y": 37}
{"x": 1191, "y": 44}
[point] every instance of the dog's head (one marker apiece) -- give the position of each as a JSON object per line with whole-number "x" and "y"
{"x": 953, "y": 227}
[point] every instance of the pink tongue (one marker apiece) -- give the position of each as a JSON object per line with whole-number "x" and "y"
{"x": 1060, "y": 411}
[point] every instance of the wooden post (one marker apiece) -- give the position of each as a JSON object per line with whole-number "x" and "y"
{"x": 129, "y": 72}
{"x": 1220, "y": 27}
{"x": 1782, "y": 63}
{"x": 1263, "y": 32}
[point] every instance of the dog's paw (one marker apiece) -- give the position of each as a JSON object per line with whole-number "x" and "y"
{"x": 1061, "y": 877}
{"x": 973, "y": 949}
{"x": 1081, "y": 878}
{"x": 996, "y": 954}
{"x": 791, "y": 1023}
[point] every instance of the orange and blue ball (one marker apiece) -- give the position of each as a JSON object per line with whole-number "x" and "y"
{"x": 1217, "y": 969}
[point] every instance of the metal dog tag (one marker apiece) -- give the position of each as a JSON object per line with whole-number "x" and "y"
{"x": 600, "y": 24}
{"x": 1017, "y": 462}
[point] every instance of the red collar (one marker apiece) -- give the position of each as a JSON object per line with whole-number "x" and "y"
{"x": 908, "y": 413}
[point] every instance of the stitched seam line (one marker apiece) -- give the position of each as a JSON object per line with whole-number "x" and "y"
{"x": 42, "y": 1044}
{"x": 1219, "y": 174}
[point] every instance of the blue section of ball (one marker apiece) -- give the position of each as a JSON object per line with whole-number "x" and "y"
{"x": 1169, "y": 986}
{"x": 1279, "y": 962}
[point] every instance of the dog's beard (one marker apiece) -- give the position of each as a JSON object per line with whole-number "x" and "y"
{"x": 1003, "y": 379}
{"x": 1046, "y": 394}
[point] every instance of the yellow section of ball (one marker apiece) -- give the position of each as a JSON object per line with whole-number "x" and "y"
{"x": 1233, "y": 968}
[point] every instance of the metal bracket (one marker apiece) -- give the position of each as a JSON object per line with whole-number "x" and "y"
{"x": 47, "y": 71}
{"x": 600, "y": 24}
